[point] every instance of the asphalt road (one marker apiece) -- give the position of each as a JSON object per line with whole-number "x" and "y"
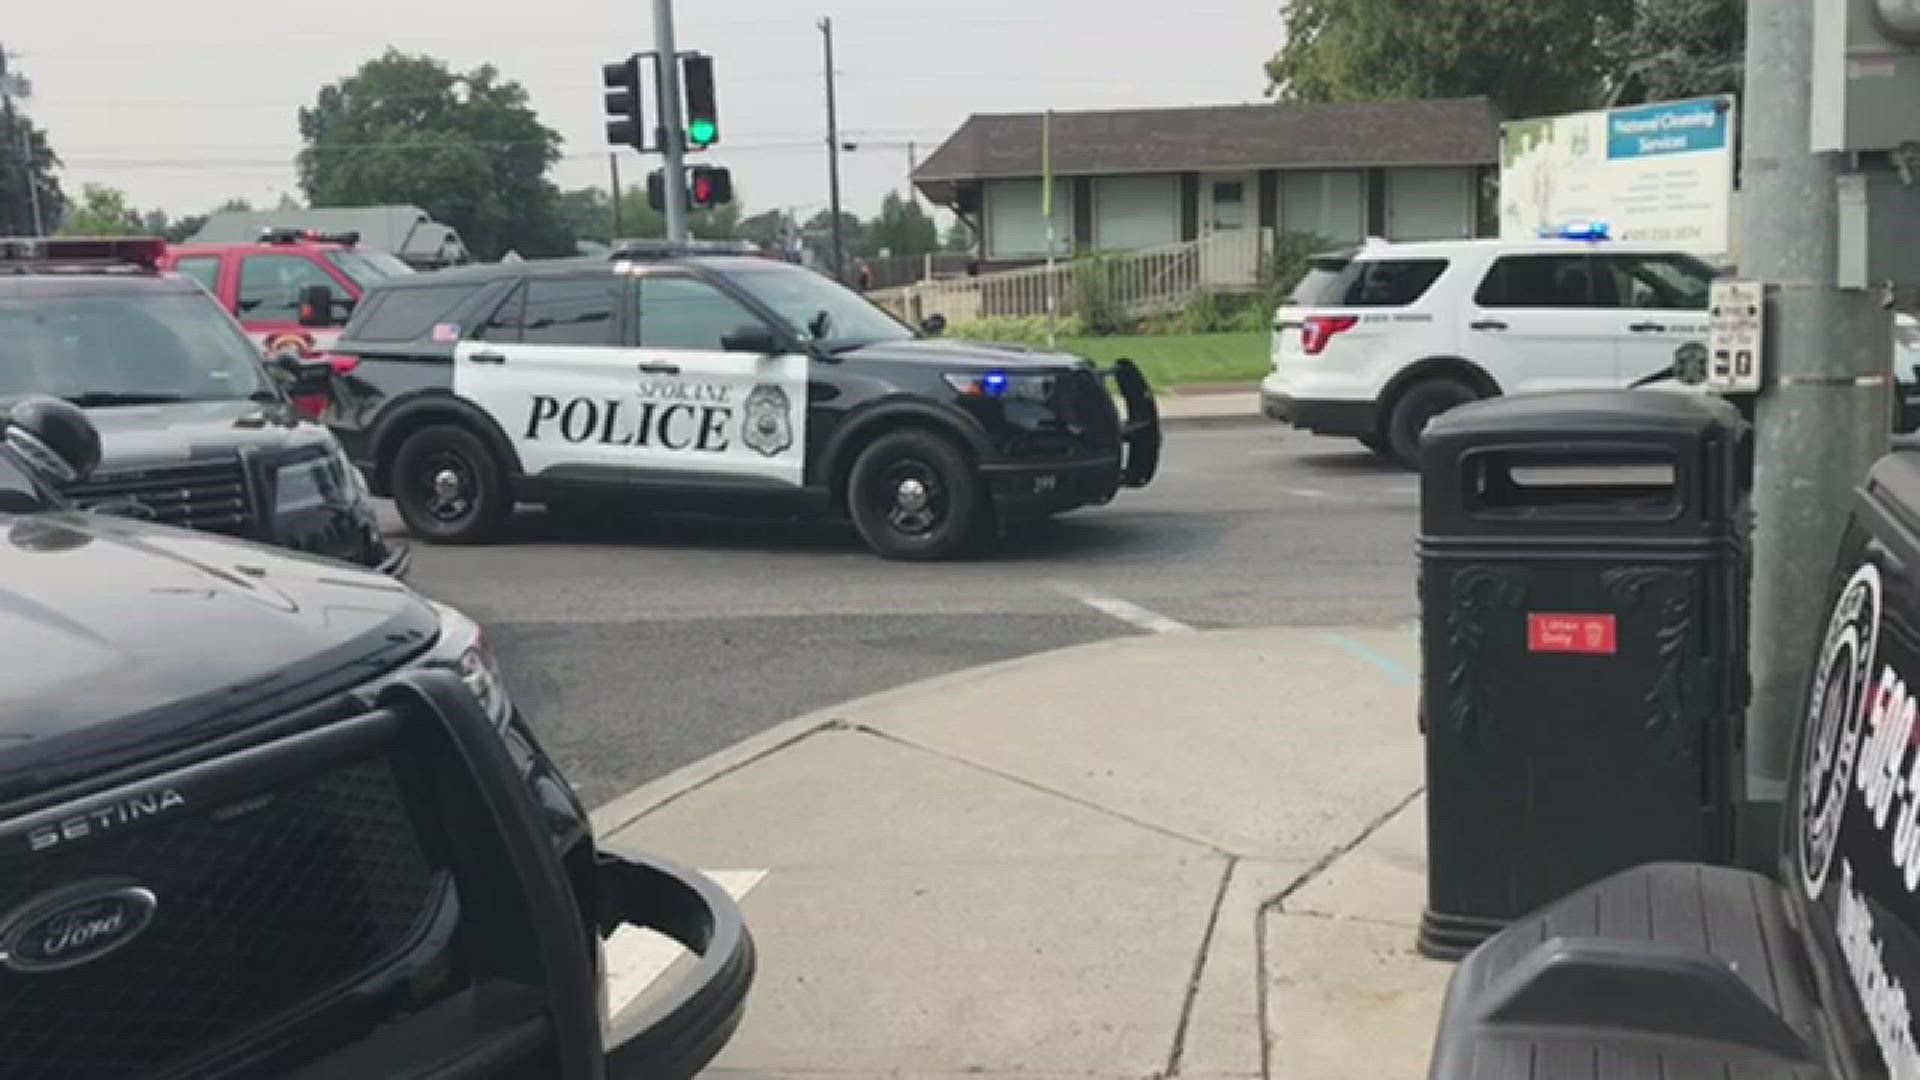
{"x": 653, "y": 641}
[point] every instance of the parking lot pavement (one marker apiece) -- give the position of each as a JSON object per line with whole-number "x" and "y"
{"x": 649, "y": 641}
{"x": 1191, "y": 853}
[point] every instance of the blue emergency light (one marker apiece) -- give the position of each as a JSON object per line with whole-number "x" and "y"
{"x": 1578, "y": 230}
{"x": 994, "y": 383}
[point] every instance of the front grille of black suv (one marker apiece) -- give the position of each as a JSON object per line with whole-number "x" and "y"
{"x": 211, "y": 496}
{"x": 262, "y": 906}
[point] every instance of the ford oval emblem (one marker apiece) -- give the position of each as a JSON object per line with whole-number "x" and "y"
{"x": 75, "y": 925}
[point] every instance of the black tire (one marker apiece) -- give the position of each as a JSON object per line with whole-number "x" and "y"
{"x": 1415, "y": 408}
{"x": 937, "y": 519}
{"x": 1378, "y": 444}
{"x": 467, "y": 509}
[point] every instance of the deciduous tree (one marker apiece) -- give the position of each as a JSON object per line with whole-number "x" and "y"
{"x": 465, "y": 147}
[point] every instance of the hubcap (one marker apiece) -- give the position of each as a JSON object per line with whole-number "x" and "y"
{"x": 449, "y": 488}
{"x": 914, "y": 499}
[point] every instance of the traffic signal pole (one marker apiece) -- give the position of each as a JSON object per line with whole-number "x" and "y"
{"x": 1824, "y": 416}
{"x": 671, "y": 146}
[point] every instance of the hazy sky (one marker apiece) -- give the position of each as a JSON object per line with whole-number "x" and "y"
{"x": 185, "y": 103}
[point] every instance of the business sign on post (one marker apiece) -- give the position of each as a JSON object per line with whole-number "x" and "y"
{"x": 1661, "y": 173}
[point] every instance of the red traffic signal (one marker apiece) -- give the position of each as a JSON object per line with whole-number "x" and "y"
{"x": 709, "y": 185}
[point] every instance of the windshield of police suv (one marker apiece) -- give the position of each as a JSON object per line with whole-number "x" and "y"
{"x": 838, "y": 318}
{"x": 367, "y": 267}
{"x": 123, "y": 349}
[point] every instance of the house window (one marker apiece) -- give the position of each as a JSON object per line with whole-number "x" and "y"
{"x": 1015, "y": 229}
{"x": 1133, "y": 212}
{"x": 1429, "y": 204}
{"x": 1329, "y": 205}
{"x": 1229, "y": 205}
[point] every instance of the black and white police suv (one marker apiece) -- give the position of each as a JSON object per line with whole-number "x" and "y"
{"x": 195, "y": 430}
{"x": 725, "y": 383}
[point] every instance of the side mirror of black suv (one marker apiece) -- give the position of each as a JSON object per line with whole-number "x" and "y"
{"x": 301, "y": 376}
{"x": 54, "y": 438}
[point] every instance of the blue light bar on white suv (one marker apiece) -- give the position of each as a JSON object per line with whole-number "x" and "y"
{"x": 1575, "y": 230}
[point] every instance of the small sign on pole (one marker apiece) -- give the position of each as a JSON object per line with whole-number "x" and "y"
{"x": 1736, "y": 337}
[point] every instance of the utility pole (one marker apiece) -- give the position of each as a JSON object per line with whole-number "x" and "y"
{"x": 1823, "y": 416}
{"x": 913, "y": 166}
{"x": 672, "y": 147}
{"x": 613, "y": 167}
{"x": 1046, "y": 211}
{"x": 833, "y": 154}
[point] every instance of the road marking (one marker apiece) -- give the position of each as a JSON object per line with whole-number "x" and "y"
{"x": 1129, "y": 613}
{"x": 1394, "y": 670}
{"x": 635, "y": 958}
{"x": 1305, "y": 493}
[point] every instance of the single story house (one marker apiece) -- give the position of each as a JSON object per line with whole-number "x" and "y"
{"x": 406, "y": 232}
{"x": 1131, "y": 179}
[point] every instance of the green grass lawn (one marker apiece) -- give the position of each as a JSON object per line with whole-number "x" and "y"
{"x": 1182, "y": 358}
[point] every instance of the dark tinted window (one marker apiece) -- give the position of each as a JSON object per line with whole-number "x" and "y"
{"x": 504, "y": 323}
{"x": 406, "y": 314}
{"x": 104, "y": 350}
{"x": 1664, "y": 282}
{"x": 1540, "y": 281}
{"x": 1382, "y": 283}
{"x": 204, "y": 269}
{"x": 270, "y": 286}
{"x": 682, "y": 313}
{"x": 570, "y": 311}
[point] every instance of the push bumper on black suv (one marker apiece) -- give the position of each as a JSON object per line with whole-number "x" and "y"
{"x": 360, "y": 890}
{"x": 1024, "y": 489}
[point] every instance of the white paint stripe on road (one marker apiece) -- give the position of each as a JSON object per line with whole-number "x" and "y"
{"x": 1129, "y": 613}
{"x": 635, "y": 958}
{"x": 1304, "y": 493}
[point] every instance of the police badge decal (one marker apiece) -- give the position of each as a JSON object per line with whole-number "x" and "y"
{"x": 766, "y": 425}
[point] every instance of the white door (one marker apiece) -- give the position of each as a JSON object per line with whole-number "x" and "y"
{"x": 1663, "y": 305}
{"x": 1535, "y": 323}
{"x": 548, "y": 367}
{"x": 705, "y": 409}
{"x": 1229, "y": 228}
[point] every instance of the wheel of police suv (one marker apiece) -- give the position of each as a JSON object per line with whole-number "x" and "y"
{"x": 449, "y": 487}
{"x": 1416, "y": 408}
{"x": 913, "y": 495}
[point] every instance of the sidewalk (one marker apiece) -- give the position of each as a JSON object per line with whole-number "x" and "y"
{"x": 1190, "y": 854}
{"x": 1211, "y": 403}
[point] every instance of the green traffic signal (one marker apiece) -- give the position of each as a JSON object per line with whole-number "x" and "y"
{"x": 702, "y": 132}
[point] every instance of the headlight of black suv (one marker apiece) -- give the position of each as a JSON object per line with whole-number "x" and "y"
{"x": 462, "y": 649}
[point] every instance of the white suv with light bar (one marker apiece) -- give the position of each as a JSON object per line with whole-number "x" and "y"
{"x": 1378, "y": 340}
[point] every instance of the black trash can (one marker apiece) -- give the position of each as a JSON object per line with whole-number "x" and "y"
{"x": 1583, "y": 593}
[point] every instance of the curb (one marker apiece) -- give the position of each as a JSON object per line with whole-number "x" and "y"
{"x": 621, "y": 811}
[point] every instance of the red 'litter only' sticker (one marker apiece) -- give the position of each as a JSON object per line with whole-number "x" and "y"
{"x": 1594, "y": 635}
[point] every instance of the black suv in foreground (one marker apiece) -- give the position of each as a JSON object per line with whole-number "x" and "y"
{"x": 1681, "y": 971}
{"x": 195, "y": 430}
{"x": 265, "y": 815}
{"x": 722, "y": 383}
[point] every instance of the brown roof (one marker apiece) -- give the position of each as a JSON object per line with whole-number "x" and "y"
{"x": 1453, "y": 131}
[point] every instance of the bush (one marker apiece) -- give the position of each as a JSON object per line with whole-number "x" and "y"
{"x": 1093, "y": 297}
{"x": 1010, "y": 330}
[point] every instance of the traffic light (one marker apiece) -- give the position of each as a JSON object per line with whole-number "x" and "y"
{"x": 1866, "y": 74}
{"x": 709, "y": 185}
{"x": 626, "y": 108}
{"x": 703, "y": 116}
